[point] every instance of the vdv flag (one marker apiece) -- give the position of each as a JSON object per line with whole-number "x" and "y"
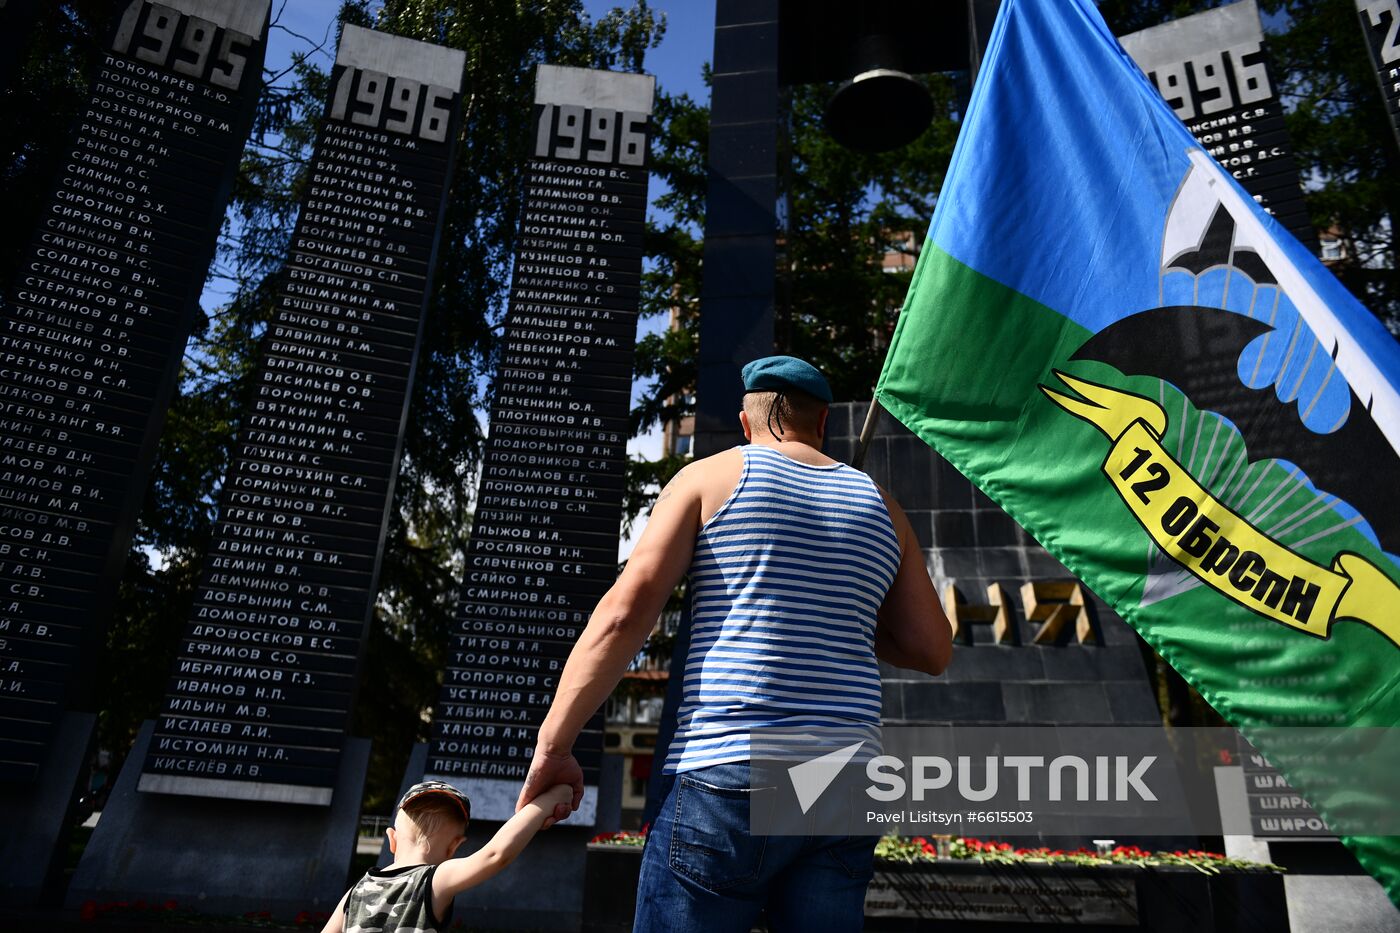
{"x": 1109, "y": 337}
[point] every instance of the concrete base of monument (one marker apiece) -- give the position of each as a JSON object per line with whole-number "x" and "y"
{"x": 38, "y": 817}
{"x": 543, "y": 888}
{"x": 183, "y": 786}
{"x": 1339, "y": 904}
{"x": 1325, "y": 888}
{"x": 222, "y": 855}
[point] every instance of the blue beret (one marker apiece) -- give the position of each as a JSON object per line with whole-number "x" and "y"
{"x": 786, "y": 372}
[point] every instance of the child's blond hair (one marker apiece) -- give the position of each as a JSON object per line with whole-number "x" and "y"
{"x": 431, "y": 813}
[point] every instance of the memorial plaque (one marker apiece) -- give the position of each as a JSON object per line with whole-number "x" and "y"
{"x": 93, "y": 331}
{"x": 1275, "y": 808}
{"x": 544, "y": 545}
{"x": 1212, "y": 68}
{"x": 1380, "y": 20}
{"x": 260, "y": 698}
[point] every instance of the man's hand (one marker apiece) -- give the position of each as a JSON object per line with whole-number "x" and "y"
{"x": 547, "y": 771}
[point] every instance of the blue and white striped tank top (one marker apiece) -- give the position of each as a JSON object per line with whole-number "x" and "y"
{"x": 785, "y": 585}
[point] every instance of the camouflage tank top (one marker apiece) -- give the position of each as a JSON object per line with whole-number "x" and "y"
{"x": 394, "y": 900}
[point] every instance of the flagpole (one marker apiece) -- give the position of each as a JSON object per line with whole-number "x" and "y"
{"x": 872, "y": 421}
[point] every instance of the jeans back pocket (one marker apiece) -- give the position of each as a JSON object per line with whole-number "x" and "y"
{"x": 710, "y": 839}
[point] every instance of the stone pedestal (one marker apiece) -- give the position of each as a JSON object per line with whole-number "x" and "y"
{"x": 989, "y": 898}
{"x": 222, "y": 856}
{"x": 1338, "y": 904}
{"x": 38, "y": 817}
{"x": 1324, "y": 889}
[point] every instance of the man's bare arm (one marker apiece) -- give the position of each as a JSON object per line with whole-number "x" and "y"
{"x": 912, "y": 632}
{"x": 616, "y": 632}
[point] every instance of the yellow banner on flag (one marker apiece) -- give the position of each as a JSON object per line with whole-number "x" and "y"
{"x": 1213, "y": 542}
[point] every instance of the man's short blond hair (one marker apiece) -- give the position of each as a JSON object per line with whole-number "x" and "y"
{"x": 430, "y": 814}
{"x": 777, "y": 412}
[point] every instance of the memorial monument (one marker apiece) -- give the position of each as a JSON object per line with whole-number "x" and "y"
{"x": 549, "y": 507}
{"x": 1380, "y": 20}
{"x": 92, "y": 334}
{"x": 1213, "y": 69}
{"x": 252, "y": 733}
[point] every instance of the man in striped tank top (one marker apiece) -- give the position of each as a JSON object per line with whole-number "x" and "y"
{"x": 802, "y": 572}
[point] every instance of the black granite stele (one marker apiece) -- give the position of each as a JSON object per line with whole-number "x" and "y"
{"x": 1275, "y": 809}
{"x": 1380, "y": 20}
{"x": 260, "y": 697}
{"x": 92, "y": 333}
{"x": 1212, "y": 68}
{"x": 549, "y": 504}
{"x": 549, "y": 501}
{"x": 740, "y": 252}
{"x": 250, "y": 750}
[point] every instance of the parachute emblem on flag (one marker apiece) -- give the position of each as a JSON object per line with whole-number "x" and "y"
{"x": 1262, "y": 462}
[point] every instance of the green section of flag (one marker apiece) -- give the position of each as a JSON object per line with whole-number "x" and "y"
{"x": 965, "y": 372}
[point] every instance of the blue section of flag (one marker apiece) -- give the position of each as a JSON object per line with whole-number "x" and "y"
{"x": 1067, "y": 144}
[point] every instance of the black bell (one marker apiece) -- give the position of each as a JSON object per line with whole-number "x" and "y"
{"x": 882, "y": 107}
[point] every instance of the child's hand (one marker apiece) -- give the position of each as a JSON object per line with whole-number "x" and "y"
{"x": 557, "y": 802}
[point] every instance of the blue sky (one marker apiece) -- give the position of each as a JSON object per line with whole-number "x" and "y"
{"x": 690, "y": 29}
{"x": 676, "y": 64}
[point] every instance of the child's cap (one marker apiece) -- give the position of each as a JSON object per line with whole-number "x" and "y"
{"x": 438, "y": 787}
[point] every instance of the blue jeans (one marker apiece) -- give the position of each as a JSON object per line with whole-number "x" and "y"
{"x": 703, "y": 872}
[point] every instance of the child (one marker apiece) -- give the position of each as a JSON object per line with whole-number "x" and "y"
{"x": 415, "y": 893}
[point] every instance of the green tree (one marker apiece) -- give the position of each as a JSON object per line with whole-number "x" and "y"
{"x": 45, "y": 93}
{"x": 1337, "y": 124}
{"x": 1344, "y": 143}
{"x": 844, "y": 212}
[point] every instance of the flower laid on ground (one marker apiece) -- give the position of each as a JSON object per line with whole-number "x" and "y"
{"x": 921, "y": 849}
{"x": 621, "y": 839}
